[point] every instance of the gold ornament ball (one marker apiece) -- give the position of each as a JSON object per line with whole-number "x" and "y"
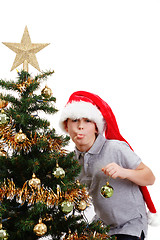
{"x": 3, "y": 234}
{"x": 20, "y": 137}
{"x": 59, "y": 172}
{"x": 3, "y": 153}
{"x": 77, "y": 183}
{"x": 40, "y": 229}
{"x": 3, "y": 119}
{"x": 66, "y": 206}
{"x": 46, "y": 92}
{"x": 34, "y": 182}
{"x": 82, "y": 205}
{"x": 3, "y": 103}
{"x": 107, "y": 190}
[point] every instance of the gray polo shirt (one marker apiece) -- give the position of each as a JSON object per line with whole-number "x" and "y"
{"x": 125, "y": 211}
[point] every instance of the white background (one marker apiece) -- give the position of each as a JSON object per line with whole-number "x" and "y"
{"x": 111, "y": 48}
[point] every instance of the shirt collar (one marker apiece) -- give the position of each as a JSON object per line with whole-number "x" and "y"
{"x": 78, "y": 153}
{"x": 98, "y": 144}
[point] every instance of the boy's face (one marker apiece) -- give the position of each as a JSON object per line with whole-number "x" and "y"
{"x": 82, "y": 132}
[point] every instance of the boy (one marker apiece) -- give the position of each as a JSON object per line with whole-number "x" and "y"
{"x": 85, "y": 117}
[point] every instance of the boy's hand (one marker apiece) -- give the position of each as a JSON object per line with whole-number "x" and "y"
{"x": 141, "y": 176}
{"x": 114, "y": 170}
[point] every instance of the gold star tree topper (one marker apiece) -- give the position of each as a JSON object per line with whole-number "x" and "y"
{"x": 25, "y": 51}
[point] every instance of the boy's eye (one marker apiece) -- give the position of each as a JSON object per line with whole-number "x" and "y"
{"x": 74, "y": 120}
{"x": 87, "y": 120}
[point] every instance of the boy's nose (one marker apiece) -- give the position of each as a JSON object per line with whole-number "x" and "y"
{"x": 80, "y": 125}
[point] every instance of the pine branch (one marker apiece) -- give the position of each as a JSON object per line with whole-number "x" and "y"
{"x": 8, "y": 85}
{"x": 11, "y": 99}
{"x": 44, "y": 75}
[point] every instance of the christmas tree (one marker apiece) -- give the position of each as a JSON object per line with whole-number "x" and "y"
{"x": 39, "y": 193}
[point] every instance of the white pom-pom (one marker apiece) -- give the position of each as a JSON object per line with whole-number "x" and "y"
{"x": 153, "y": 219}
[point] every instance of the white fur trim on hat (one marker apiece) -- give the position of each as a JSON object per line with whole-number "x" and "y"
{"x": 81, "y": 109}
{"x": 153, "y": 219}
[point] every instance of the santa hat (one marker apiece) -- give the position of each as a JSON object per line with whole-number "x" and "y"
{"x": 83, "y": 104}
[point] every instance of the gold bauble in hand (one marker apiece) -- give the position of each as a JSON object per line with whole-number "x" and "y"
{"x": 107, "y": 190}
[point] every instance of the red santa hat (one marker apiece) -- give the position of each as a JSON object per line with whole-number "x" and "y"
{"x": 83, "y": 104}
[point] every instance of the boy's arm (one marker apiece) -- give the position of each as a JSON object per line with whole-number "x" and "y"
{"x": 141, "y": 176}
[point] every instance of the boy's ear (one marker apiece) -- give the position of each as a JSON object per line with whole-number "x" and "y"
{"x": 66, "y": 125}
{"x": 96, "y": 129}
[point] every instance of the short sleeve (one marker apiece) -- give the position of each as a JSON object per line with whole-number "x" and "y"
{"x": 126, "y": 157}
